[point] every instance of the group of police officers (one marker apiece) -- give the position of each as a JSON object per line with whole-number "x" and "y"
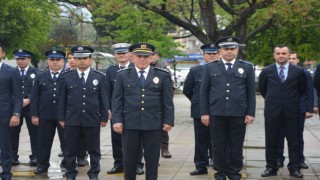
{"x": 137, "y": 97}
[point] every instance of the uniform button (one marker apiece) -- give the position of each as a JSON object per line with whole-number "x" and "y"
{"x": 54, "y": 89}
{"x": 55, "y": 83}
{"x": 84, "y": 88}
{"x": 23, "y": 81}
{"x": 142, "y": 109}
{"x": 227, "y": 98}
{"x": 142, "y": 102}
{"x": 83, "y": 110}
{"x": 84, "y": 96}
{"x": 228, "y": 84}
{"x": 228, "y": 90}
{"x": 83, "y": 103}
{"x": 54, "y": 101}
{"x": 142, "y": 95}
{"x": 143, "y": 89}
{"x": 22, "y": 86}
{"x": 23, "y": 92}
{"x": 54, "y": 95}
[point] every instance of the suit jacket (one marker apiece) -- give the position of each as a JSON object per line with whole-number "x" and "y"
{"x": 10, "y": 93}
{"x": 85, "y": 105}
{"x": 111, "y": 76}
{"x": 191, "y": 89}
{"x": 45, "y": 94}
{"x": 145, "y": 107}
{"x": 282, "y": 99}
{"x": 224, "y": 94}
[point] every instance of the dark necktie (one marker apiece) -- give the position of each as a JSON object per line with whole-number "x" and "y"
{"x": 122, "y": 67}
{"x": 22, "y": 73}
{"x": 55, "y": 76}
{"x": 83, "y": 82}
{"x": 281, "y": 74}
{"x": 229, "y": 67}
{"x": 142, "y": 78}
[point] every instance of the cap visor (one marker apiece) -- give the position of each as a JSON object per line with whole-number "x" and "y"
{"x": 211, "y": 51}
{"x": 143, "y": 53}
{"x": 121, "y": 51}
{"x": 81, "y": 55}
{"x": 55, "y": 56}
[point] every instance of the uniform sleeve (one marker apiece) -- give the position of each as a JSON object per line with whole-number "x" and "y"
{"x": 204, "y": 92}
{"x": 108, "y": 86}
{"x": 309, "y": 93}
{"x": 251, "y": 94}
{"x": 35, "y": 98}
{"x": 62, "y": 100}
{"x": 103, "y": 100}
{"x": 118, "y": 101}
{"x": 167, "y": 99}
{"x": 263, "y": 83}
{"x": 188, "y": 85}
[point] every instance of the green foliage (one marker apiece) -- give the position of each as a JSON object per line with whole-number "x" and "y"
{"x": 25, "y": 23}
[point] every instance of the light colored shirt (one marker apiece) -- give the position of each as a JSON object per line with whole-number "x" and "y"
{"x": 57, "y": 75}
{"x": 86, "y": 74}
{"x": 285, "y": 69}
{"x": 145, "y": 71}
{"x": 226, "y": 66}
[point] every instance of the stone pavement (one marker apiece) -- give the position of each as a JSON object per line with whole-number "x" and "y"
{"x": 182, "y": 149}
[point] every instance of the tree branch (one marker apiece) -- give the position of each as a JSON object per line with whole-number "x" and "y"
{"x": 258, "y": 30}
{"x": 225, "y": 7}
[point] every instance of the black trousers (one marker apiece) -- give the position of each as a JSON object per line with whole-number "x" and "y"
{"x": 92, "y": 141}
{"x": 46, "y": 132}
{"x": 132, "y": 140}
{"x": 117, "y": 150}
{"x": 165, "y": 138}
{"x": 15, "y": 135}
{"x": 227, "y": 136}
{"x": 202, "y": 144}
{"x": 6, "y": 149}
{"x": 272, "y": 130}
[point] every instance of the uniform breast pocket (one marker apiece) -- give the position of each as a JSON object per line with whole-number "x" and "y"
{"x": 127, "y": 86}
{"x": 94, "y": 90}
{"x": 43, "y": 86}
{"x": 72, "y": 88}
{"x": 241, "y": 74}
{"x": 215, "y": 77}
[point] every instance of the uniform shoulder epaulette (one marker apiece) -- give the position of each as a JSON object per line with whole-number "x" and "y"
{"x": 66, "y": 72}
{"x": 124, "y": 69}
{"x": 162, "y": 69}
{"x": 243, "y": 61}
{"x": 99, "y": 72}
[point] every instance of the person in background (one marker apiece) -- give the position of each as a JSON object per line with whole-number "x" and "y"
{"x": 122, "y": 56}
{"x": 165, "y": 135}
{"x": 26, "y": 75}
{"x": 11, "y": 103}
{"x": 44, "y": 107}
{"x": 191, "y": 90}
{"x": 306, "y": 112}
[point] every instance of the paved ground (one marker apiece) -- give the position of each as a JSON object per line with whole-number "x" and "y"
{"x": 182, "y": 149}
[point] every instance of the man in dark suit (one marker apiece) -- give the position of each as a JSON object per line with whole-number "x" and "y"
{"x": 191, "y": 89}
{"x": 122, "y": 55}
{"x": 307, "y": 103}
{"x": 142, "y": 107}
{"x": 11, "y": 107}
{"x": 26, "y": 75}
{"x": 44, "y": 107}
{"x": 282, "y": 85}
{"x": 227, "y": 103}
{"x": 83, "y": 109}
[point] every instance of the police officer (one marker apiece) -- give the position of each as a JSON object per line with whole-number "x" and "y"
{"x": 26, "y": 75}
{"x": 165, "y": 153}
{"x": 11, "y": 106}
{"x": 122, "y": 55}
{"x": 227, "y": 104}
{"x": 83, "y": 108}
{"x": 191, "y": 89}
{"x": 142, "y": 108}
{"x": 44, "y": 107}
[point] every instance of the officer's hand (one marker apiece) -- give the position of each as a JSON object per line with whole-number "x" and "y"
{"x": 166, "y": 127}
{"x": 205, "y": 119}
{"x": 61, "y": 123}
{"x": 315, "y": 110}
{"x": 110, "y": 115}
{"x": 118, "y": 128}
{"x": 14, "y": 121}
{"x": 249, "y": 119}
{"x": 308, "y": 115}
{"x": 26, "y": 102}
{"x": 103, "y": 123}
{"x": 35, "y": 120}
